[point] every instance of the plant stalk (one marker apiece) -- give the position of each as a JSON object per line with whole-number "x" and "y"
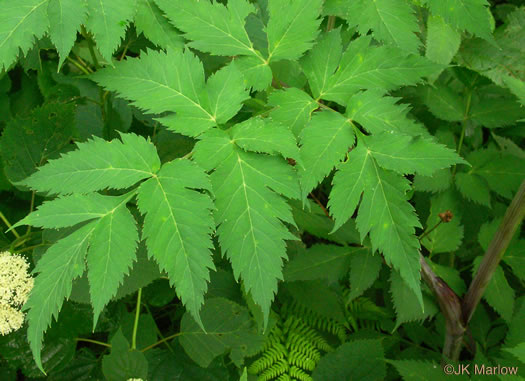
{"x": 136, "y": 322}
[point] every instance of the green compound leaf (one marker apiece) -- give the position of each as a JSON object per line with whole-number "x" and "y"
{"x": 108, "y": 20}
{"x": 259, "y": 135}
{"x": 391, "y": 21}
{"x": 377, "y": 114}
{"x": 292, "y": 28}
{"x": 250, "y": 212}
{"x": 177, "y": 228}
{"x": 363, "y": 66}
{"x": 384, "y": 211}
{"x": 123, "y": 363}
{"x": 20, "y": 23}
{"x": 229, "y": 328}
{"x": 364, "y": 270}
{"x": 155, "y": 26}
{"x": 470, "y": 15}
{"x": 60, "y": 265}
{"x": 112, "y": 251}
{"x": 293, "y": 108}
{"x": 404, "y": 154}
{"x": 212, "y": 27}
{"x": 97, "y": 165}
{"x": 324, "y": 143}
{"x": 65, "y": 18}
{"x": 174, "y": 81}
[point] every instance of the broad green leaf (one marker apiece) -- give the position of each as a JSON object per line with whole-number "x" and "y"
{"x": 444, "y": 103}
{"x": 324, "y": 142}
{"x": 503, "y": 59}
{"x": 417, "y": 370}
{"x": 357, "y": 359}
{"x": 98, "y": 164}
{"x": 20, "y": 23}
{"x": 293, "y": 108}
{"x": 517, "y": 87}
{"x": 502, "y": 171}
{"x": 498, "y": 294}
{"x": 250, "y": 214}
{"x": 257, "y": 135}
{"x": 442, "y": 40}
{"x": 364, "y": 270}
{"x": 215, "y": 147}
{"x": 123, "y": 363}
{"x": 405, "y": 154}
{"x": 381, "y": 114}
{"x": 177, "y": 228}
{"x": 473, "y": 187}
{"x": 363, "y": 66}
{"x": 447, "y": 237}
{"x": 391, "y": 21}
{"x": 322, "y": 61}
{"x": 518, "y": 351}
{"x": 229, "y": 328}
{"x": 213, "y": 27}
{"x": 470, "y": 15}
{"x": 384, "y": 211}
{"x": 320, "y": 261}
{"x": 28, "y": 142}
{"x": 403, "y": 299}
{"x": 292, "y": 28}
{"x": 439, "y": 181}
{"x": 497, "y": 107}
{"x": 150, "y": 20}
{"x": 62, "y": 262}
{"x": 256, "y": 71}
{"x": 111, "y": 254}
{"x": 108, "y": 20}
{"x": 65, "y": 18}
{"x": 516, "y": 333}
{"x": 515, "y": 258}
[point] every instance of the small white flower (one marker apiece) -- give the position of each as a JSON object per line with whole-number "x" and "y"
{"x": 15, "y": 285}
{"x": 134, "y": 379}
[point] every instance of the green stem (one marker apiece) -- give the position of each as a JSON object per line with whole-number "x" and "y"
{"x": 136, "y": 322}
{"x": 330, "y": 23}
{"x": 90, "y": 47}
{"x": 79, "y": 66}
{"x": 93, "y": 342}
{"x": 6, "y": 221}
{"x": 427, "y": 232}
{"x": 161, "y": 341}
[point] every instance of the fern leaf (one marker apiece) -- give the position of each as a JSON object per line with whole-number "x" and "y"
{"x": 391, "y": 21}
{"x": 155, "y": 26}
{"x": 250, "y": 214}
{"x": 60, "y": 265}
{"x": 375, "y": 67}
{"x": 20, "y": 23}
{"x": 112, "y": 251}
{"x": 324, "y": 143}
{"x": 293, "y": 108}
{"x": 108, "y": 20}
{"x": 470, "y": 15}
{"x": 65, "y": 18}
{"x": 292, "y": 28}
{"x": 96, "y": 165}
{"x": 177, "y": 228}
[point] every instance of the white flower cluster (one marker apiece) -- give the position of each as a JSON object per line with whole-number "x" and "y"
{"x": 15, "y": 285}
{"x": 134, "y": 379}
